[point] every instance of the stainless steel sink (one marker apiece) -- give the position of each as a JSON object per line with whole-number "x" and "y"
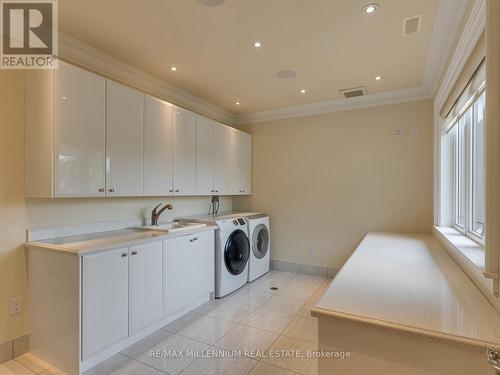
{"x": 174, "y": 227}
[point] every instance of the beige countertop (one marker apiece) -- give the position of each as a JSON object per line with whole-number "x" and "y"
{"x": 95, "y": 242}
{"x": 408, "y": 283}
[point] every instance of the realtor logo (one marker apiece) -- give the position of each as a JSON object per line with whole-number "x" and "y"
{"x": 29, "y": 34}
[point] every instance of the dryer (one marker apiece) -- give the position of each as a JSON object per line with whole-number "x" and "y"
{"x": 260, "y": 245}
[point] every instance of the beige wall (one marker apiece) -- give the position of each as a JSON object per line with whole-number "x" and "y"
{"x": 327, "y": 180}
{"x": 13, "y": 216}
{"x": 17, "y": 214}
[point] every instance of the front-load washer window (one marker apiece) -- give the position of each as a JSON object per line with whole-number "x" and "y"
{"x": 237, "y": 252}
{"x": 260, "y": 241}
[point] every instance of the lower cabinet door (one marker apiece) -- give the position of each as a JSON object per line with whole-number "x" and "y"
{"x": 145, "y": 286}
{"x": 104, "y": 300}
{"x": 188, "y": 270}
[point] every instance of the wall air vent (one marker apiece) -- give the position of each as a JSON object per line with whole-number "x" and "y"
{"x": 411, "y": 26}
{"x": 353, "y": 92}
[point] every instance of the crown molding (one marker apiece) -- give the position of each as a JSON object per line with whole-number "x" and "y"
{"x": 448, "y": 19}
{"x": 336, "y": 105}
{"x": 474, "y": 27}
{"x": 446, "y": 26}
{"x": 80, "y": 54}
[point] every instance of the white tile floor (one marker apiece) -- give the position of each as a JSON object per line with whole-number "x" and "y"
{"x": 255, "y": 320}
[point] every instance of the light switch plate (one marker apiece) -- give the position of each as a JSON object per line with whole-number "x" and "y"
{"x": 400, "y": 132}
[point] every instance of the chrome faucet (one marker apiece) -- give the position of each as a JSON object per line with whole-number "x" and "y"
{"x": 156, "y": 215}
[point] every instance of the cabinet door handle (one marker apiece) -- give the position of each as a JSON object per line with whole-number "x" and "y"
{"x": 124, "y": 255}
{"x": 193, "y": 239}
{"x": 176, "y": 190}
{"x": 112, "y": 190}
{"x": 134, "y": 252}
{"x": 171, "y": 191}
{"x": 101, "y": 190}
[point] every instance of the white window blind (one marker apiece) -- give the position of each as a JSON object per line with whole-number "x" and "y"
{"x": 471, "y": 92}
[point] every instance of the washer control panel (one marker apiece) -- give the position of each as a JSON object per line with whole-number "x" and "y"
{"x": 232, "y": 223}
{"x": 239, "y": 221}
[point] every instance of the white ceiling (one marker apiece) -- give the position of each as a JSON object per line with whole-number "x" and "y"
{"x": 329, "y": 43}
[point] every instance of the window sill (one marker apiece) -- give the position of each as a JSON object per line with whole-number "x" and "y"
{"x": 472, "y": 251}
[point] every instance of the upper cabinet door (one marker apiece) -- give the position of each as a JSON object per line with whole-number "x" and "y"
{"x": 158, "y": 147}
{"x": 234, "y": 162}
{"x": 124, "y": 144}
{"x": 184, "y": 152}
{"x": 204, "y": 156}
{"x": 221, "y": 158}
{"x": 246, "y": 163}
{"x": 80, "y": 133}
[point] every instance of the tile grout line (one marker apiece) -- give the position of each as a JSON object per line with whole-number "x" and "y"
{"x": 281, "y": 334}
{"x": 240, "y": 324}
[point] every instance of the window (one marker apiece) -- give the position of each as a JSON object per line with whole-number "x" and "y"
{"x": 469, "y": 186}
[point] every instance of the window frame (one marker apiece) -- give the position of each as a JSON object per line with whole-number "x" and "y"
{"x": 468, "y": 116}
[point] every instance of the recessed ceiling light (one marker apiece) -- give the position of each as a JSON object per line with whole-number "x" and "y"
{"x": 370, "y": 8}
{"x": 286, "y": 74}
{"x": 303, "y": 91}
{"x": 378, "y": 78}
{"x": 237, "y": 103}
{"x": 257, "y": 44}
{"x": 173, "y": 68}
{"x": 211, "y": 3}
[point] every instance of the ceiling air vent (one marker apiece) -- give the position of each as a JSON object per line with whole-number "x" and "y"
{"x": 353, "y": 92}
{"x": 411, "y": 26}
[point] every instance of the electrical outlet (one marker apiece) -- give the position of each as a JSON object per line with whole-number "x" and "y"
{"x": 312, "y": 251}
{"x": 16, "y": 305}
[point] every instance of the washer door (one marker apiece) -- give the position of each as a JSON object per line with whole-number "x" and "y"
{"x": 237, "y": 252}
{"x": 260, "y": 241}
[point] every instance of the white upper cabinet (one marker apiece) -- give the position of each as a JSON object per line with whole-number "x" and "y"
{"x": 233, "y": 168}
{"x": 80, "y": 133}
{"x": 184, "y": 152}
{"x": 158, "y": 147}
{"x": 221, "y": 158}
{"x": 204, "y": 156}
{"x": 246, "y": 163}
{"x": 88, "y": 136}
{"x": 64, "y": 133}
{"x": 124, "y": 140}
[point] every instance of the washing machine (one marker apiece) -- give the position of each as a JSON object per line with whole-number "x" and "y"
{"x": 260, "y": 245}
{"x": 232, "y": 251}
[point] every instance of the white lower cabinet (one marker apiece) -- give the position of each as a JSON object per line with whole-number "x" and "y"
{"x": 145, "y": 286}
{"x": 188, "y": 270}
{"x": 128, "y": 291}
{"x": 105, "y": 317}
{"x": 122, "y": 294}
